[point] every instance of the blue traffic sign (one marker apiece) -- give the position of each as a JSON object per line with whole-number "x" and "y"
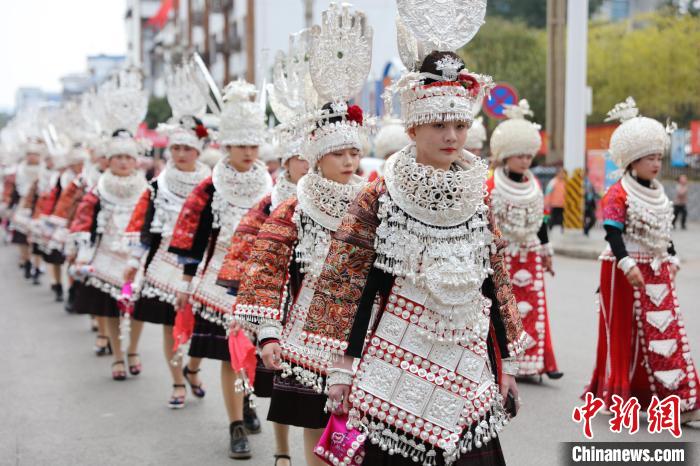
{"x": 502, "y": 94}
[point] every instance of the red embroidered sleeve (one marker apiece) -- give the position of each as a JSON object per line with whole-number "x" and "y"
{"x": 261, "y": 295}
{"x": 507, "y": 306}
{"x": 68, "y": 201}
{"x": 188, "y": 220}
{"x": 614, "y": 206}
{"x": 82, "y": 222}
{"x": 138, "y": 216}
{"x": 344, "y": 276}
{"x": 242, "y": 243}
{"x": 7, "y": 189}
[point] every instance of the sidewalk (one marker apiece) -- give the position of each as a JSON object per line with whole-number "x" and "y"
{"x": 574, "y": 243}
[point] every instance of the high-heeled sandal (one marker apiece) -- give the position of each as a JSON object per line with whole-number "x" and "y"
{"x": 103, "y": 350}
{"x": 116, "y": 374}
{"x": 283, "y": 457}
{"x": 177, "y": 402}
{"x": 134, "y": 369}
{"x": 197, "y": 390}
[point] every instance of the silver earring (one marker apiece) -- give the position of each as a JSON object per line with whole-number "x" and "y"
{"x": 634, "y": 173}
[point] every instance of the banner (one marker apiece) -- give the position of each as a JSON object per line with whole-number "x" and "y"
{"x": 678, "y": 142}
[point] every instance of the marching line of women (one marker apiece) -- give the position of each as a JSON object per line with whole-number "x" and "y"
{"x": 387, "y": 315}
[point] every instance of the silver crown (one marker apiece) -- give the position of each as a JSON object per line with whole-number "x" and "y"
{"x": 443, "y": 25}
{"x": 184, "y": 92}
{"x": 341, "y": 53}
{"x": 623, "y": 111}
{"x": 125, "y": 101}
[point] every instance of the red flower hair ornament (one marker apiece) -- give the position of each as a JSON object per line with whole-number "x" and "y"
{"x": 201, "y": 131}
{"x": 355, "y": 114}
{"x": 469, "y": 82}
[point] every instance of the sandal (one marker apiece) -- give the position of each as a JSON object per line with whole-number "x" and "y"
{"x": 177, "y": 402}
{"x": 134, "y": 369}
{"x": 103, "y": 350}
{"x": 118, "y": 374}
{"x": 197, "y": 390}
{"x": 283, "y": 457}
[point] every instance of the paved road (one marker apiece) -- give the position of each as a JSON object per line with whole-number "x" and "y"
{"x": 59, "y": 406}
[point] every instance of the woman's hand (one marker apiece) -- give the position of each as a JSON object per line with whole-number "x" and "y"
{"x": 673, "y": 271}
{"x": 129, "y": 274}
{"x": 634, "y": 276}
{"x": 338, "y": 399}
{"x": 182, "y": 299}
{"x": 547, "y": 265}
{"x": 508, "y": 384}
{"x": 272, "y": 356}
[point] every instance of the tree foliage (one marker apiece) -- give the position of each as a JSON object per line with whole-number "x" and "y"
{"x": 654, "y": 58}
{"x": 512, "y": 52}
{"x": 158, "y": 111}
{"x": 531, "y": 12}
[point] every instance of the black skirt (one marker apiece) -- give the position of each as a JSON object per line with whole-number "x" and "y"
{"x": 263, "y": 380}
{"x": 293, "y": 404}
{"x": 155, "y": 311}
{"x": 54, "y": 257}
{"x": 209, "y": 340}
{"x": 90, "y": 300}
{"x": 19, "y": 238}
{"x": 489, "y": 454}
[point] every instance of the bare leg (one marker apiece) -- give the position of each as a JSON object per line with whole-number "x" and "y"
{"x": 56, "y": 274}
{"x": 24, "y": 252}
{"x": 232, "y": 400}
{"x": 311, "y": 438}
{"x": 175, "y": 371}
{"x": 281, "y": 442}
{"x": 101, "y": 330}
{"x": 135, "y": 335}
{"x": 113, "y": 332}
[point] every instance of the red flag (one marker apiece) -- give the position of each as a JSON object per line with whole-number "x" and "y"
{"x": 161, "y": 17}
{"x": 242, "y": 354}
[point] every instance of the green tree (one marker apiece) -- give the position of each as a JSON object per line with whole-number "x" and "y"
{"x": 158, "y": 111}
{"x": 514, "y": 53}
{"x": 532, "y": 12}
{"x": 654, "y": 58}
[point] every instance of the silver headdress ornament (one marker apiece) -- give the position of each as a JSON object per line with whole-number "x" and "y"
{"x": 340, "y": 60}
{"x": 242, "y": 118}
{"x": 125, "y": 105}
{"x": 516, "y": 135}
{"x": 637, "y": 136}
{"x": 187, "y": 98}
{"x": 292, "y": 94}
{"x": 476, "y": 136}
{"x": 424, "y": 26}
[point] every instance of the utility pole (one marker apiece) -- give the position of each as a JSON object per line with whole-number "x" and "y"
{"x": 250, "y": 41}
{"x": 556, "y": 79}
{"x": 575, "y": 117}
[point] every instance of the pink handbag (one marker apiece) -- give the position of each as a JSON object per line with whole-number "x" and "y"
{"x": 338, "y": 445}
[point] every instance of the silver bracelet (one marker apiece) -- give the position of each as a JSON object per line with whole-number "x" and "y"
{"x": 674, "y": 260}
{"x": 185, "y": 287}
{"x": 547, "y": 250}
{"x": 626, "y": 264}
{"x": 339, "y": 377}
{"x": 133, "y": 263}
{"x": 510, "y": 366}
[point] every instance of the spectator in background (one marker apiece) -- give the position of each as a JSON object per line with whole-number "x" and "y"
{"x": 554, "y": 199}
{"x": 680, "y": 201}
{"x": 590, "y": 203}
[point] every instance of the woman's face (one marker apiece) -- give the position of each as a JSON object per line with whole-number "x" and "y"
{"x": 439, "y": 144}
{"x": 76, "y": 167}
{"x": 33, "y": 158}
{"x": 184, "y": 157}
{"x": 102, "y": 163}
{"x": 122, "y": 165}
{"x": 296, "y": 168}
{"x": 242, "y": 158}
{"x": 648, "y": 167}
{"x": 519, "y": 163}
{"x": 340, "y": 165}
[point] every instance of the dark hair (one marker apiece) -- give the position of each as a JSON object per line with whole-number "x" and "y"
{"x": 429, "y": 64}
{"x": 121, "y": 132}
{"x": 333, "y": 119}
